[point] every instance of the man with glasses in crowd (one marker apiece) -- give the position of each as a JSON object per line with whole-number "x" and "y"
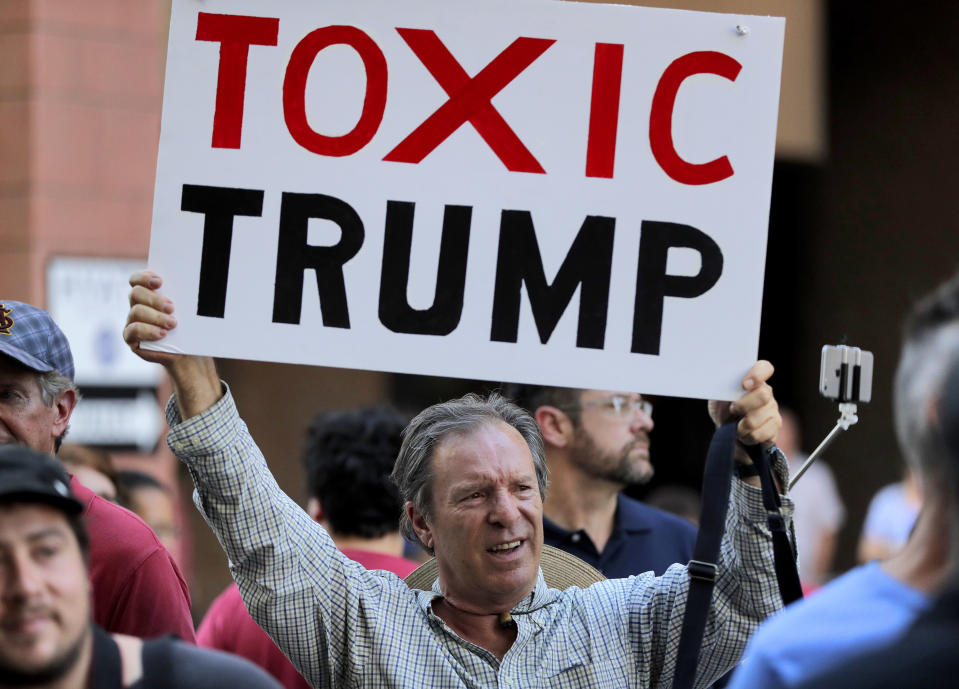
{"x": 597, "y": 443}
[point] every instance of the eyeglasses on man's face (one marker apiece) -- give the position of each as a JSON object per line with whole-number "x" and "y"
{"x": 619, "y": 405}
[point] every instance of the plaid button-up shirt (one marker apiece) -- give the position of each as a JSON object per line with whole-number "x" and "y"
{"x": 344, "y": 626}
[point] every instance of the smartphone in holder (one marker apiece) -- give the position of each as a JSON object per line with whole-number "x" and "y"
{"x": 845, "y": 374}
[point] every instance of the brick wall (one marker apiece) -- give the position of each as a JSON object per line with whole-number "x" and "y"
{"x": 80, "y": 94}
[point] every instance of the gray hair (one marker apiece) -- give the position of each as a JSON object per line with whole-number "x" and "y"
{"x": 413, "y": 470}
{"x": 930, "y": 349}
{"x": 52, "y": 385}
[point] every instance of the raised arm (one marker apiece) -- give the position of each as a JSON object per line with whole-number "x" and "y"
{"x": 317, "y": 605}
{"x": 746, "y": 592}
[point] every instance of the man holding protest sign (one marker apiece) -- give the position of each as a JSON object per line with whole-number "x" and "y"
{"x": 473, "y": 475}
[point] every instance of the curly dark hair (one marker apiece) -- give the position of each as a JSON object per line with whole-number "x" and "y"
{"x": 348, "y": 457}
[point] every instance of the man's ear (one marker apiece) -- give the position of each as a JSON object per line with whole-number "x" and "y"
{"x": 63, "y": 407}
{"x": 555, "y": 425}
{"x": 315, "y": 510}
{"x": 420, "y": 525}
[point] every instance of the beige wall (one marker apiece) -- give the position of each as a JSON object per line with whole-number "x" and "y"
{"x": 802, "y": 106}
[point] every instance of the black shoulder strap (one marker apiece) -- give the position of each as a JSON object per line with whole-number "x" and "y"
{"x": 717, "y": 479}
{"x": 787, "y": 576}
{"x": 158, "y": 665}
{"x": 106, "y": 670}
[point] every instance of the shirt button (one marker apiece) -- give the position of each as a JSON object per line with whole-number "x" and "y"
{"x": 575, "y": 538}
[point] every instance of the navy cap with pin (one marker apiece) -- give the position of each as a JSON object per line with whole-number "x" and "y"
{"x": 27, "y": 475}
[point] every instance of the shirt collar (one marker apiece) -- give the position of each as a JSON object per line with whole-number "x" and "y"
{"x": 626, "y": 518}
{"x": 539, "y": 597}
{"x": 629, "y": 516}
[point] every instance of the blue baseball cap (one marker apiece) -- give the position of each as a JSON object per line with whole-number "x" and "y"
{"x": 29, "y": 336}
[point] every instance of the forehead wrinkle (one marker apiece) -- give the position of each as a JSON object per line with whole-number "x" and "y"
{"x": 498, "y": 465}
{"x": 483, "y": 479}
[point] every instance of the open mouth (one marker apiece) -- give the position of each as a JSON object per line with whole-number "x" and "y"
{"x": 505, "y": 548}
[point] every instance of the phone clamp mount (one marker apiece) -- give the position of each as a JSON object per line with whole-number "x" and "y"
{"x": 846, "y": 376}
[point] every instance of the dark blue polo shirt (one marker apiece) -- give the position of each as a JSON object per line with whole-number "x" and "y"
{"x": 644, "y": 538}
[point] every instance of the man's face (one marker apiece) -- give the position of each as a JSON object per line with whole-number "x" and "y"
{"x": 24, "y": 418}
{"x": 487, "y": 523}
{"x": 44, "y": 595}
{"x": 610, "y": 444}
{"x": 155, "y": 507}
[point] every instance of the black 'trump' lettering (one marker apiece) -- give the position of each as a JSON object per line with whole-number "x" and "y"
{"x": 294, "y": 255}
{"x": 588, "y": 263}
{"x": 444, "y": 315}
{"x": 220, "y": 205}
{"x": 653, "y": 284}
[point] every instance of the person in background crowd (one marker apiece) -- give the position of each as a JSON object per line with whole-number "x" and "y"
{"x": 890, "y": 519}
{"x": 47, "y": 640}
{"x": 870, "y": 605}
{"x": 153, "y": 503}
{"x": 137, "y": 587}
{"x": 473, "y": 476}
{"x": 677, "y": 499}
{"x": 92, "y": 467}
{"x": 597, "y": 443}
{"x": 819, "y": 510}
{"x": 348, "y": 457}
{"x": 925, "y": 656}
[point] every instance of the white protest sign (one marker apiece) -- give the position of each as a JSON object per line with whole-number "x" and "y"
{"x": 544, "y": 192}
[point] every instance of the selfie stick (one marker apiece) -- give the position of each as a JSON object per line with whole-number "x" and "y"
{"x": 847, "y": 418}
{"x": 847, "y": 404}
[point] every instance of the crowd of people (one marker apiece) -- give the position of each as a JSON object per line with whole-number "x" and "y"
{"x": 487, "y": 486}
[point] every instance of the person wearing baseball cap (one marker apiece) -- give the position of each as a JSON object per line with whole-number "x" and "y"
{"x": 137, "y": 587}
{"x": 36, "y": 375}
{"x": 47, "y": 639}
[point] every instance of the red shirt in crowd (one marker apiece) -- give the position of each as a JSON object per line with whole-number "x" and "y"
{"x": 137, "y": 587}
{"x": 229, "y": 627}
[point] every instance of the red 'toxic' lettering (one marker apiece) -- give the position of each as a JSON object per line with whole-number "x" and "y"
{"x": 469, "y": 100}
{"x": 661, "y": 117}
{"x": 235, "y": 34}
{"x": 294, "y": 91}
{"x": 604, "y": 110}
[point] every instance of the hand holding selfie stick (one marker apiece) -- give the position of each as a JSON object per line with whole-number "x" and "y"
{"x": 845, "y": 375}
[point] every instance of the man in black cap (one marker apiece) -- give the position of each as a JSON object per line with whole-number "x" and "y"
{"x": 137, "y": 587}
{"x": 46, "y": 637}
